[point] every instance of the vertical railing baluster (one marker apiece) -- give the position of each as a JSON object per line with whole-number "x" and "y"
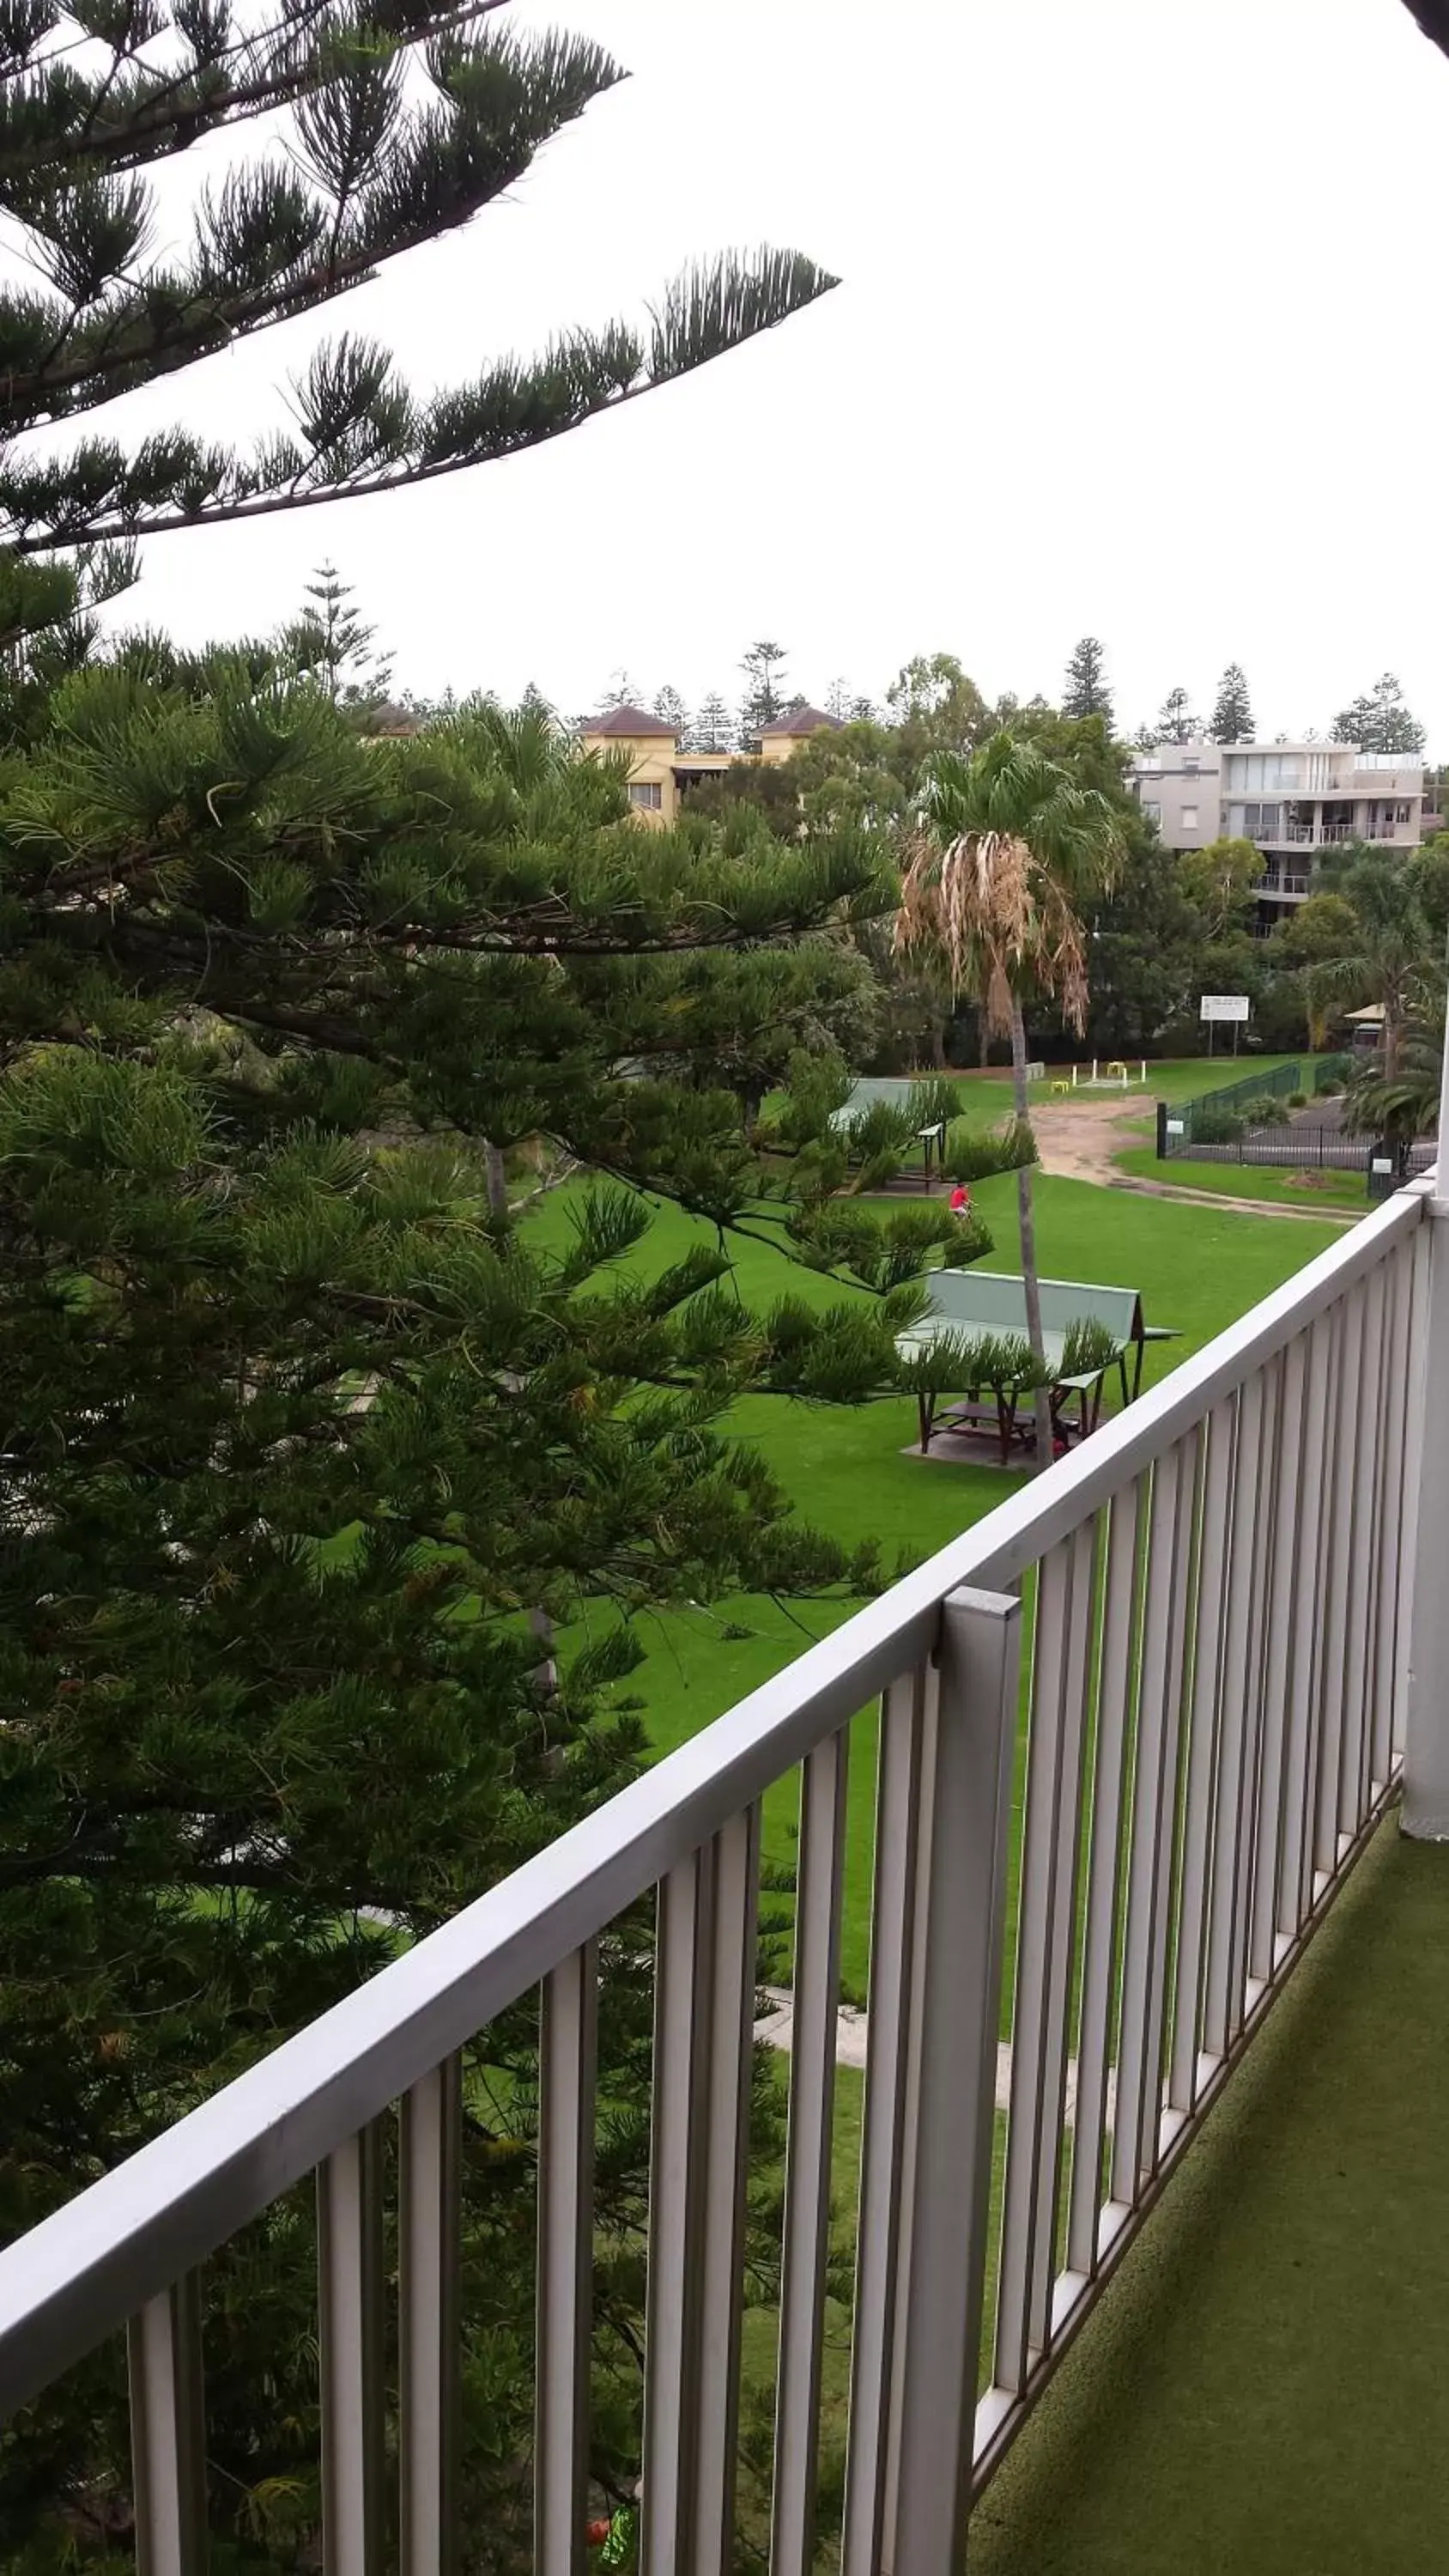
{"x": 1203, "y": 1720}
{"x": 807, "y": 2163}
{"x": 1389, "y": 1636}
{"x": 430, "y": 2122}
{"x": 733, "y": 1968}
{"x": 1378, "y": 1610}
{"x": 350, "y": 2316}
{"x": 1262, "y": 1601}
{"x": 1174, "y": 1613}
{"x": 1295, "y": 1892}
{"x": 1366, "y": 1417}
{"x": 703, "y": 2054}
{"x": 568, "y": 2063}
{"x": 920, "y": 1935}
{"x": 1039, "y": 2028}
{"x": 1340, "y": 1542}
{"x": 668, "y": 2480}
{"x": 1281, "y": 1575}
{"x": 1420, "y": 1254}
{"x": 1159, "y": 1714}
{"x": 1230, "y": 1868}
{"x": 168, "y": 2432}
{"x": 963, "y": 1904}
{"x": 879, "y": 2229}
{"x": 1113, "y": 1753}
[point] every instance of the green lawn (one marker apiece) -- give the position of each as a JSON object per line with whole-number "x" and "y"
{"x": 1306, "y": 1189}
{"x": 1171, "y": 1078}
{"x": 856, "y": 1474}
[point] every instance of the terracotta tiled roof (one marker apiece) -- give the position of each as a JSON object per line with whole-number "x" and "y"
{"x": 630, "y": 721}
{"x": 802, "y": 720}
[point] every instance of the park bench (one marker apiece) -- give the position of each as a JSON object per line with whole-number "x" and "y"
{"x": 973, "y": 1302}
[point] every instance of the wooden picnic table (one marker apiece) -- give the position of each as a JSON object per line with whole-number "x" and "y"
{"x": 971, "y": 1302}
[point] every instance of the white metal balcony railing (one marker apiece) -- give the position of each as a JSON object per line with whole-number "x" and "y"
{"x": 1215, "y": 1686}
{"x": 1276, "y": 881}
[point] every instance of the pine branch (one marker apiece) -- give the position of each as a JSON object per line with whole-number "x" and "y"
{"x": 360, "y": 432}
{"x": 267, "y": 248}
{"x": 166, "y": 111}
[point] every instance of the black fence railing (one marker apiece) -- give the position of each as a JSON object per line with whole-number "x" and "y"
{"x": 1295, "y": 1145}
{"x": 1216, "y": 1116}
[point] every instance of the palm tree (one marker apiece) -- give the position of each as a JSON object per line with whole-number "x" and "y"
{"x": 1388, "y": 954}
{"x": 1007, "y": 848}
{"x": 1403, "y": 1105}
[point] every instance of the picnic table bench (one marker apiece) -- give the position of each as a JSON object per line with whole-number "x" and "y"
{"x": 971, "y": 1301}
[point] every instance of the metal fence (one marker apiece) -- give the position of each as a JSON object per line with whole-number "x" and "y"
{"x": 1228, "y": 1101}
{"x": 1299, "y": 1144}
{"x": 1199, "y": 1620}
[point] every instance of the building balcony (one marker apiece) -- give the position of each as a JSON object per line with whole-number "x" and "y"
{"x": 1277, "y": 881}
{"x": 1129, "y": 1739}
{"x": 1316, "y": 836}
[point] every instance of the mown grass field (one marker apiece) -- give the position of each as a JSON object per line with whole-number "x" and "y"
{"x": 1307, "y": 1189}
{"x": 856, "y": 1474}
{"x": 1174, "y": 1078}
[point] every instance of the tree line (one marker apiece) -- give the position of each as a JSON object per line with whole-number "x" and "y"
{"x": 1378, "y": 720}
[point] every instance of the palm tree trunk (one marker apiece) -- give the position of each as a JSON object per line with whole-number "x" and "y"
{"x": 1392, "y": 1030}
{"x": 1026, "y": 1211}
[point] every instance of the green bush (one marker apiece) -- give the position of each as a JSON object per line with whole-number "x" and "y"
{"x": 969, "y": 1154}
{"x": 1297, "y": 1100}
{"x": 1331, "y": 1072}
{"x": 1215, "y": 1127}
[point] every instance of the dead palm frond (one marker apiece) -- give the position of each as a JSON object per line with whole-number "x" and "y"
{"x": 1006, "y": 848}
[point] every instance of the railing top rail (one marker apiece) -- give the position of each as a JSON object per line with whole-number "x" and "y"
{"x": 81, "y": 2273}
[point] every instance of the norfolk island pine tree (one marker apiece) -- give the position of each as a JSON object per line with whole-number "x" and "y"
{"x": 330, "y": 1432}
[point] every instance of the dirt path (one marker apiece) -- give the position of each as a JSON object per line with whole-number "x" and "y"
{"x": 1079, "y": 1142}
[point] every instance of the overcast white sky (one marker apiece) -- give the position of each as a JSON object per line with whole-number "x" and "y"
{"x": 1142, "y": 332}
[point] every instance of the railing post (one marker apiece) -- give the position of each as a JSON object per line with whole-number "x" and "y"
{"x": 963, "y": 1891}
{"x": 1426, "y": 1513}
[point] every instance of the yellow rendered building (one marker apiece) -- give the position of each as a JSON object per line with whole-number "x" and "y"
{"x": 661, "y": 775}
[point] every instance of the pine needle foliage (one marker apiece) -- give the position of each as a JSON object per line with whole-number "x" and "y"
{"x": 306, "y": 1431}
{"x": 329, "y": 137}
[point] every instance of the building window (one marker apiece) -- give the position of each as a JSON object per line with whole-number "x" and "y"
{"x": 1152, "y": 809}
{"x": 1256, "y": 823}
{"x": 1189, "y": 818}
{"x": 646, "y": 792}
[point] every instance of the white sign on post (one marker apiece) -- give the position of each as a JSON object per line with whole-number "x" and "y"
{"x": 1223, "y": 1006}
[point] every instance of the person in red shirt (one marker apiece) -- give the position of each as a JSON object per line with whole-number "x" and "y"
{"x": 961, "y": 1203}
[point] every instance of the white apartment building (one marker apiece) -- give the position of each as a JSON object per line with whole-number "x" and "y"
{"x": 1295, "y": 799}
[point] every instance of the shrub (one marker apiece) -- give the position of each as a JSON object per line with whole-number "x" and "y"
{"x": 1216, "y": 1127}
{"x": 1331, "y": 1072}
{"x": 1297, "y": 1100}
{"x": 970, "y": 1155}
